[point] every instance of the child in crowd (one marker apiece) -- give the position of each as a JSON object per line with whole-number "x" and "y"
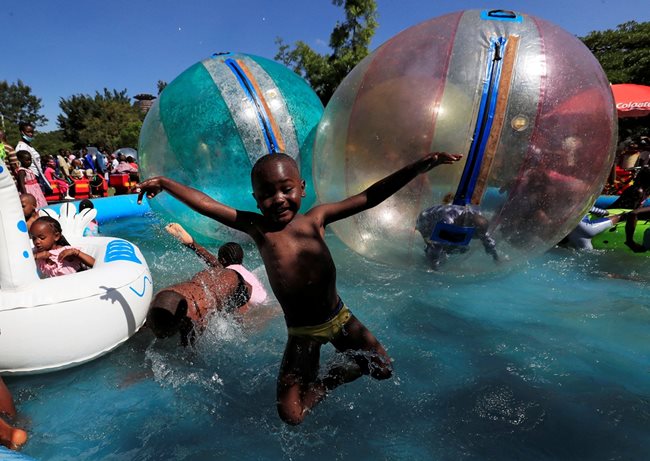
{"x": 51, "y": 176}
{"x": 54, "y": 255}
{"x": 28, "y": 203}
{"x": 92, "y": 229}
{"x": 10, "y": 436}
{"x": 302, "y": 273}
{"x": 26, "y": 179}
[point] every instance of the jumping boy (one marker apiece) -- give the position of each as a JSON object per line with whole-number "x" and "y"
{"x": 302, "y": 273}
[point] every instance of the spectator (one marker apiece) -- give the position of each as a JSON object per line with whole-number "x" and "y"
{"x": 52, "y": 177}
{"x": 27, "y": 135}
{"x": 26, "y": 179}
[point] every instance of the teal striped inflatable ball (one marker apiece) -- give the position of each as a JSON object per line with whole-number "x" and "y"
{"x": 214, "y": 121}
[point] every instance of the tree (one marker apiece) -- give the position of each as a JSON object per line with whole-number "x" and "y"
{"x": 349, "y": 42}
{"x": 118, "y": 126}
{"x": 51, "y": 142}
{"x": 161, "y": 85}
{"x": 17, "y": 103}
{"x": 106, "y": 118}
{"x": 623, "y": 53}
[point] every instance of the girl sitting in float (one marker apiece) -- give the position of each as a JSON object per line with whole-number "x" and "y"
{"x": 53, "y": 254}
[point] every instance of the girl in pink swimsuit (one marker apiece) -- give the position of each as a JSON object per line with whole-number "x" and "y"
{"x": 53, "y": 254}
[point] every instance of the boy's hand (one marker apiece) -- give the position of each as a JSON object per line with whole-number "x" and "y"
{"x": 434, "y": 159}
{"x": 151, "y": 187}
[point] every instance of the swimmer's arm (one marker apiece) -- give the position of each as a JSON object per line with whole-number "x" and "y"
{"x": 198, "y": 201}
{"x": 381, "y": 190}
{"x": 210, "y": 259}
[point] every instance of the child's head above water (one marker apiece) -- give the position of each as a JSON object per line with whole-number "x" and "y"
{"x": 85, "y": 203}
{"x": 46, "y": 234}
{"x": 230, "y": 253}
{"x": 278, "y": 188}
{"x": 28, "y": 202}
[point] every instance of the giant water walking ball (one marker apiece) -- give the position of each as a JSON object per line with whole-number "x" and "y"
{"x": 525, "y": 102}
{"x": 211, "y": 124}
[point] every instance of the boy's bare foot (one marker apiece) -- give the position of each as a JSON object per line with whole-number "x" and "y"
{"x": 181, "y": 234}
{"x": 637, "y": 248}
{"x": 11, "y": 437}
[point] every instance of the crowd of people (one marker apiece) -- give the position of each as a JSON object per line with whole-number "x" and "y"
{"x": 57, "y": 175}
{"x": 631, "y": 156}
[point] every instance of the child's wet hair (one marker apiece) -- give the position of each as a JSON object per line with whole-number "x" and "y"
{"x": 230, "y": 253}
{"x": 270, "y": 159}
{"x": 85, "y": 203}
{"x": 55, "y": 226}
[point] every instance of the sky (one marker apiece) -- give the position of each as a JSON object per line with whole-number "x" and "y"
{"x": 65, "y": 47}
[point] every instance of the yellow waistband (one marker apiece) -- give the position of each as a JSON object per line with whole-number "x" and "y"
{"x": 324, "y": 332}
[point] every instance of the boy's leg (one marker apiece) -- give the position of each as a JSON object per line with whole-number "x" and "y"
{"x": 11, "y": 437}
{"x": 6, "y": 400}
{"x": 630, "y": 227}
{"x": 298, "y": 386}
{"x": 368, "y": 353}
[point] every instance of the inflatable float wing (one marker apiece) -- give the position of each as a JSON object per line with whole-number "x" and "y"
{"x": 60, "y": 322}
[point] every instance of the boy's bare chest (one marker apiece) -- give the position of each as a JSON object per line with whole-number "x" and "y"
{"x": 295, "y": 248}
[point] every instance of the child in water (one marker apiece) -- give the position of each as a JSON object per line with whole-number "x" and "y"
{"x": 302, "y": 273}
{"x": 92, "y": 229}
{"x": 231, "y": 256}
{"x": 186, "y": 306}
{"x": 28, "y": 202}
{"x": 53, "y": 254}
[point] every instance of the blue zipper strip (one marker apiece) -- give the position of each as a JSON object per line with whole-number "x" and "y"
{"x": 484, "y": 121}
{"x": 251, "y": 94}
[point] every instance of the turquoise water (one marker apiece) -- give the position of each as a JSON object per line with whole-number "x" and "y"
{"x": 550, "y": 361}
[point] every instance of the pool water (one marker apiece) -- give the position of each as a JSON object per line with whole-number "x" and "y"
{"x": 548, "y": 361}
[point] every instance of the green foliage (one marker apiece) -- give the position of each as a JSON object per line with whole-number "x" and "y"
{"x": 17, "y": 103}
{"x": 624, "y": 53}
{"x": 349, "y": 42}
{"x": 107, "y": 118}
{"x": 51, "y": 142}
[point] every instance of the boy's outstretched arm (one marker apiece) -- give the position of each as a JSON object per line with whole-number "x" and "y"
{"x": 196, "y": 200}
{"x": 383, "y": 188}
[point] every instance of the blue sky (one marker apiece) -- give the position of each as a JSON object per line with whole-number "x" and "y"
{"x": 65, "y": 47}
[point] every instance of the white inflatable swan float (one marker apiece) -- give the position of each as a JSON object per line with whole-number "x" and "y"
{"x": 55, "y": 323}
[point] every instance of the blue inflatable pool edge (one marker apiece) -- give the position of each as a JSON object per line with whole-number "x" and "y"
{"x": 115, "y": 207}
{"x": 606, "y": 200}
{"x": 124, "y": 206}
{"x": 9, "y": 455}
